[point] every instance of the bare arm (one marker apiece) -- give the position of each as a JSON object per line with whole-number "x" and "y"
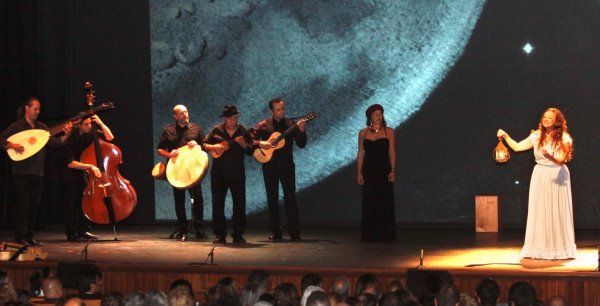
{"x": 164, "y": 153}
{"x": 108, "y": 135}
{"x": 81, "y": 166}
{"x": 392, "y": 152}
{"x": 523, "y": 145}
{"x": 360, "y": 157}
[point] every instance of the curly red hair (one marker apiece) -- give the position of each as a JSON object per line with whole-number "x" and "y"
{"x": 556, "y": 135}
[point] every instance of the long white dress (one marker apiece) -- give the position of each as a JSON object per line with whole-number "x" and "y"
{"x": 550, "y": 233}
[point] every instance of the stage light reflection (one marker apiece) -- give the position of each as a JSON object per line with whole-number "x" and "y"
{"x": 528, "y": 48}
{"x": 505, "y": 258}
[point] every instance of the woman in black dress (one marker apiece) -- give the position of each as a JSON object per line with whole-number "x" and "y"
{"x": 376, "y": 160}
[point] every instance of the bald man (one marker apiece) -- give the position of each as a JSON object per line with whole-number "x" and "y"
{"x": 175, "y": 136}
{"x": 53, "y": 289}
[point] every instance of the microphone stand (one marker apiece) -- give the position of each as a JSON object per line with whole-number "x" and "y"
{"x": 210, "y": 256}
{"x": 421, "y": 266}
{"x": 83, "y": 257}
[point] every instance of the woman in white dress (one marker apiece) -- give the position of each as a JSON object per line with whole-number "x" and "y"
{"x": 549, "y": 233}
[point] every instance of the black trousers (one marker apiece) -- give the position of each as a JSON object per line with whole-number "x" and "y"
{"x": 285, "y": 173}
{"x": 74, "y": 219}
{"x": 219, "y": 186}
{"x": 197, "y": 206}
{"x": 28, "y": 190}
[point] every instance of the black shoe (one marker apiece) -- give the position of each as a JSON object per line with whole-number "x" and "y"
{"x": 72, "y": 237}
{"x": 200, "y": 234}
{"x": 220, "y": 240}
{"x": 276, "y": 237}
{"x": 295, "y": 238}
{"x": 181, "y": 233}
{"x": 239, "y": 240}
{"x": 32, "y": 242}
{"x": 88, "y": 236}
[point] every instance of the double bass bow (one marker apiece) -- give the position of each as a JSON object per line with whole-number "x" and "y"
{"x": 109, "y": 198}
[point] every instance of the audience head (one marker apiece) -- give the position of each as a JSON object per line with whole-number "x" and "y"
{"x": 7, "y": 290}
{"x": 180, "y": 297}
{"x": 286, "y": 294}
{"x": 394, "y": 285}
{"x": 52, "y": 288}
{"x": 488, "y": 292}
{"x": 521, "y": 294}
{"x": 155, "y": 298}
{"x": 389, "y": 299}
{"x": 311, "y": 279}
{"x": 404, "y": 296}
{"x": 318, "y": 298}
{"x": 449, "y": 295}
{"x": 230, "y": 283}
{"x": 90, "y": 281}
{"x": 352, "y": 301}
{"x": 74, "y": 301}
{"x": 309, "y": 290}
{"x": 367, "y": 283}
{"x": 35, "y": 281}
{"x": 367, "y": 299}
{"x": 258, "y": 283}
{"x": 267, "y": 298}
{"x": 137, "y": 298}
{"x": 112, "y": 299}
{"x": 182, "y": 284}
{"x": 341, "y": 288}
{"x": 558, "y": 300}
{"x": 467, "y": 300}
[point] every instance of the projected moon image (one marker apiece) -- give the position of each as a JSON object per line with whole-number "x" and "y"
{"x": 331, "y": 57}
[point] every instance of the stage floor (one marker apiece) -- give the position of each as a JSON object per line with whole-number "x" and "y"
{"x": 324, "y": 248}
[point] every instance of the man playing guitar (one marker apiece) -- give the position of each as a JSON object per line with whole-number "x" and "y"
{"x": 228, "y": 172}
{"x": 281, "y": 168}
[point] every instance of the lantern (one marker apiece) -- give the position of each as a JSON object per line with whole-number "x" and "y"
{"x": 501, "y": 154}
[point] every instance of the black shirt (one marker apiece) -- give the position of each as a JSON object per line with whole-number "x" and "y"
{"x": 284, "y": 155}
{"x": 33, "y": 165}
{"x": 76, "y": 144}
{"x": 231, "y": 163}
{"x": 175, "y": 136}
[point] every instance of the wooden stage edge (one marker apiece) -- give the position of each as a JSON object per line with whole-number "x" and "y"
{"x": 147, "y": 260}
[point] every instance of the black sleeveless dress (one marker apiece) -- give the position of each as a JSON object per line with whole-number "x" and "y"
{"x": 378, "y": 218}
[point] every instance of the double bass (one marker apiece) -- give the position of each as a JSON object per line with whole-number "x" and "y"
{"x": 110, "y": 198}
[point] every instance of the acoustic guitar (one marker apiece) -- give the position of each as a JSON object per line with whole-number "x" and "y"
{"x": 35, "y": 139}
{"x": 277, "y": 140}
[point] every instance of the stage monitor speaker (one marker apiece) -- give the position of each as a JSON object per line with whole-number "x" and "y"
{"x": 70, "y": 274}
{"x": 488, "y": 214}
{"x": 419, "y": 280}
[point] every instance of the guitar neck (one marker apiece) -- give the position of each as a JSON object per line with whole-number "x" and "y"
{"x": 287, "y": 132}
{"x": 55, "y": 130}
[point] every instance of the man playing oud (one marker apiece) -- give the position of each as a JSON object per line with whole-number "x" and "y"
{"x": 228, "y": 143}
{"x": 281, "y": 168}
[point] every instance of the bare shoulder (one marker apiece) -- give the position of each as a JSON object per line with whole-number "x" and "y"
{"x": 389, "y": 130}
{"x": 362, "y": 133}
